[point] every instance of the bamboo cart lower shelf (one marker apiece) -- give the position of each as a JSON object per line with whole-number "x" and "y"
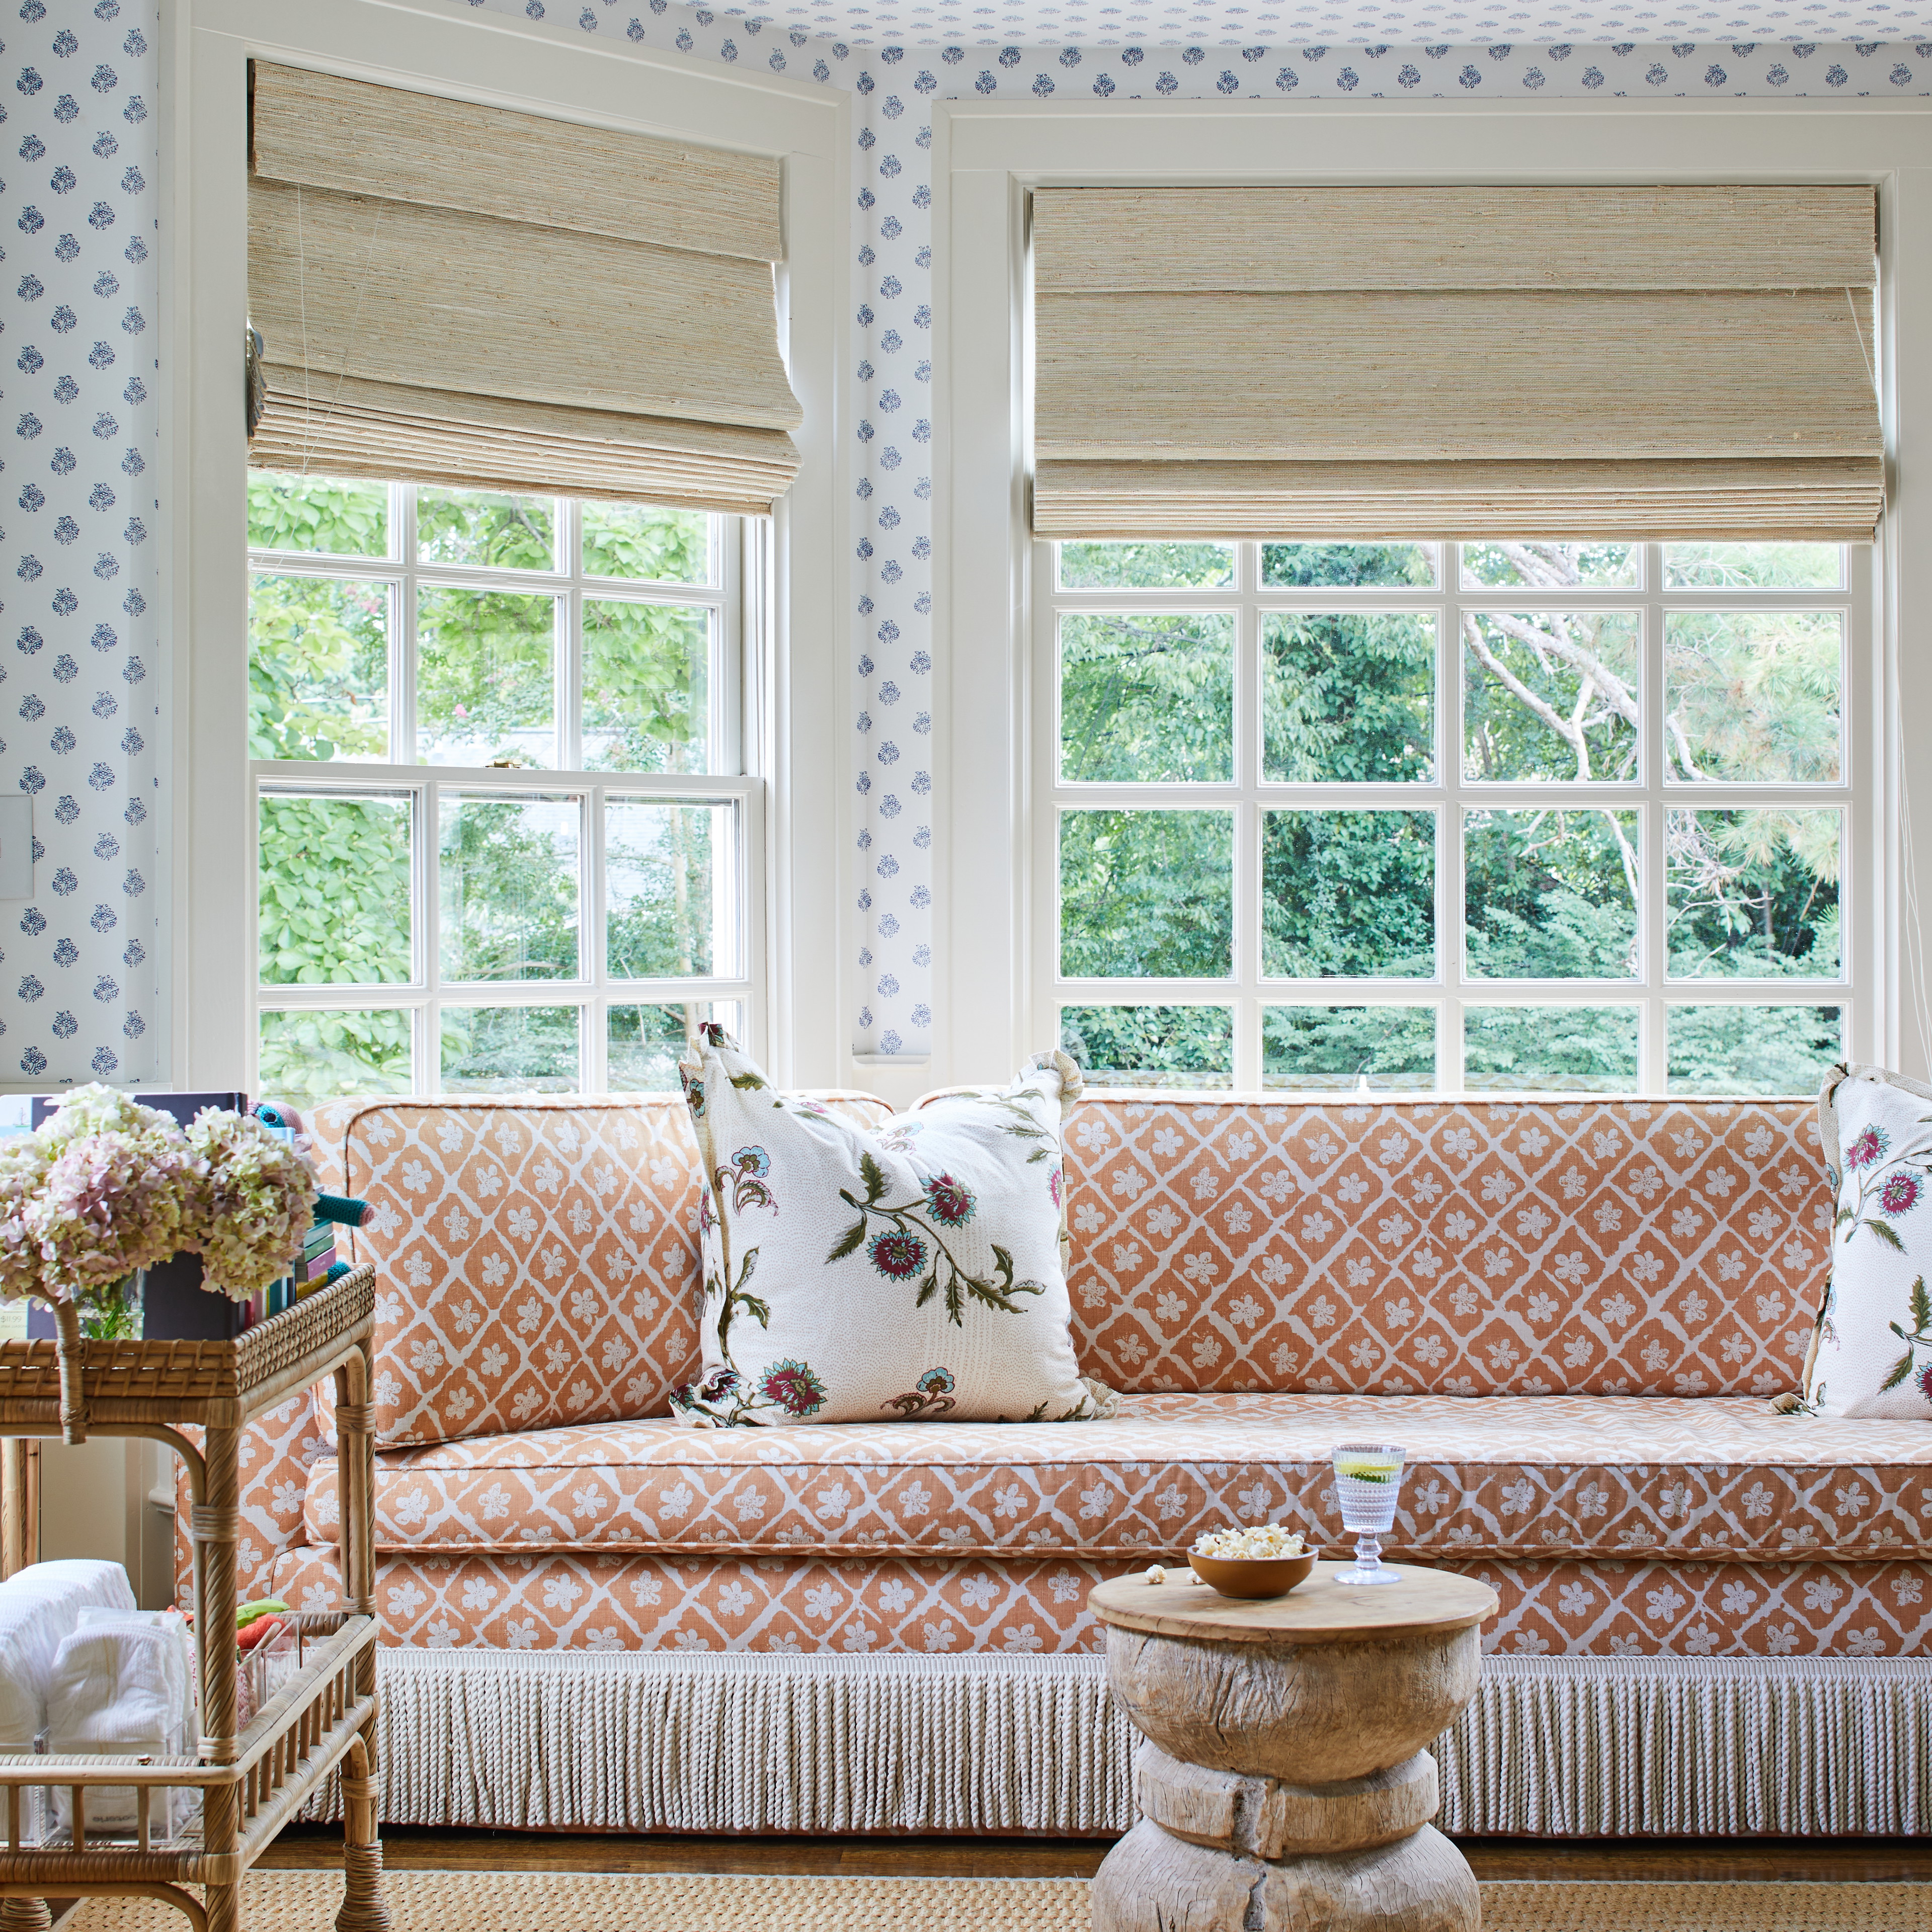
{"x": 252, "y": 1780}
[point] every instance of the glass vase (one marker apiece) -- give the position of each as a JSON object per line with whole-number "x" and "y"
{"x": 111, "y": 1312}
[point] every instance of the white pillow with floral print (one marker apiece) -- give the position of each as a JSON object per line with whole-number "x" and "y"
{"x": 914, "y": 1273}
{"x": 1872, "y": 1352}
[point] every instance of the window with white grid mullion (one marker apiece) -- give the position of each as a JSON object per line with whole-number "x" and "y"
{"x": 504, "y": 840}
{"x": 1488, "y": 817}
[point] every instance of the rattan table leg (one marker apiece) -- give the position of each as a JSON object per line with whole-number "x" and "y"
{"x": 224, "y": 1908}
{"x": 24, "y": 1914}
{"x": 363, "y": 1907}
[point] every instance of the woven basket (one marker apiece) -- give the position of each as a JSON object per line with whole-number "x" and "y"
{"x": 77, "y": 1371}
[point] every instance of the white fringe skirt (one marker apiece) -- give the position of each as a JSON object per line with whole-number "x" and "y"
{"x": 1558, "y": 1747}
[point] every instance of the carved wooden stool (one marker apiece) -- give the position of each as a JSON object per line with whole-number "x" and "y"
{"x": 1286, "y": 1782}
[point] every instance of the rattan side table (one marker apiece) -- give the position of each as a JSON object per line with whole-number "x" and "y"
{"x": 251, "y": 1781}
{"x": 1286, "y": 1781}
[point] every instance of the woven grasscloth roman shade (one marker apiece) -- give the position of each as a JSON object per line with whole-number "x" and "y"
{"x": 1407, "y": 362}
{"x": 454, "y": 294}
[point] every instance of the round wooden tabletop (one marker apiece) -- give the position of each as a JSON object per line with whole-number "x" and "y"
{"x": 1318, "y": 1610}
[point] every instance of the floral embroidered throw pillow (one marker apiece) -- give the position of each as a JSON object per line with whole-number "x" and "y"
{"x": 1872, "y": 1352}
{"x": 915, "y": 1273}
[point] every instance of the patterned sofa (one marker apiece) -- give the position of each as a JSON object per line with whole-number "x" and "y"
{"x": 1572, "y": 1313}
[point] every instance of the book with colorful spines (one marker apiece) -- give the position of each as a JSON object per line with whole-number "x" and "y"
{"x": 320, "y": 1261}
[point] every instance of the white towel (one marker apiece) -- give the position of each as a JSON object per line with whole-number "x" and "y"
{"x": 120, "y": 1688}
{"x": 39, "y": 1606}
{"x": 171, "y": 1620}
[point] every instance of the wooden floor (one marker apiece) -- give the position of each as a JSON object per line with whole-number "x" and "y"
{"x": 408, "y": 1848}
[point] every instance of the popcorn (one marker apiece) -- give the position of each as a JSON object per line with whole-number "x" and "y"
{"x": 1269, "y": 1543}
{"x": 1156, "y": 1574}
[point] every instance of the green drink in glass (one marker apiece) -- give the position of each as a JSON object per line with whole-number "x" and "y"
{"x": 1367, "y": 1477}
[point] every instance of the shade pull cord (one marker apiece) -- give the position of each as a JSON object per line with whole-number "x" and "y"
{"x": 1858, "y": 330}
{"x": 301, "y": 298}
{"x": 309, "y": 426}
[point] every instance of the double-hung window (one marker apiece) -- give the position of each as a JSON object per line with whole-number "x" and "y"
{"x": 1498, "y": 816}
{"x": 505, "y": 838}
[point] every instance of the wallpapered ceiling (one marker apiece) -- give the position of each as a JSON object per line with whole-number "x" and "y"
{"x": 79, "y": 714}
{"x": 79, "y": 965}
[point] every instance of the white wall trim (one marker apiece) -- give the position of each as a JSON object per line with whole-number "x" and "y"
{"x": 799, "y": 739}
{"x": 986, "y": 155}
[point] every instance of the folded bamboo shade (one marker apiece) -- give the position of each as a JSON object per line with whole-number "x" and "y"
{"x": 464, "y": 295}
{"x": 1469, "y": 362}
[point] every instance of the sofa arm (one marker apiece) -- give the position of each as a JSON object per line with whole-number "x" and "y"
{"x": 277, "y": 1450}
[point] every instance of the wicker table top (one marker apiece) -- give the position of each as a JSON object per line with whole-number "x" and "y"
{"x": 220, "y": 1383}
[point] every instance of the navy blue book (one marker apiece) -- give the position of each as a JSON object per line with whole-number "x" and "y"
{"x": 175, "y": 1307}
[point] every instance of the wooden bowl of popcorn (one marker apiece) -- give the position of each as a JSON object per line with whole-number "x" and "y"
{"x": 1268, "y": 1562}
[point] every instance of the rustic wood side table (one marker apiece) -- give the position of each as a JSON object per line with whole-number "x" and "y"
{"x": 1285, "y": 1781}
{"x": 252, "y": 1781}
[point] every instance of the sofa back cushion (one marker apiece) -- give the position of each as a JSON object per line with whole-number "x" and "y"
{"x": 1469, "y": 1248}
{"x": 537, "y": 1257}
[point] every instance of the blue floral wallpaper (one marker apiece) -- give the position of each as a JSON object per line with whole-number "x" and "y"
{"x": 80, "y": 722}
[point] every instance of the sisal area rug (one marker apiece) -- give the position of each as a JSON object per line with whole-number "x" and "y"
{"x": 306, "y": 1901}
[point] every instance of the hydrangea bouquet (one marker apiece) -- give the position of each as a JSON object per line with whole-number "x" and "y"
{"x": 108, "y": 1187}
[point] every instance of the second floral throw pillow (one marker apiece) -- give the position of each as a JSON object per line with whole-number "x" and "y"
{"x": 912, "y": 1273}
{"x": 1872, "y": 1352}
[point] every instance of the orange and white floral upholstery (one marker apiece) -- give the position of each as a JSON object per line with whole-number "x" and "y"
{"x": 1571, "y": 1312}
{"x": 1587, "y": 1247}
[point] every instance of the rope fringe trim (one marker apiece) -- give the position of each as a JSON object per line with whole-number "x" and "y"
{"x": 1555, "y": 1746}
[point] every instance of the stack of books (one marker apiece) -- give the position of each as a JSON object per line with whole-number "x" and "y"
{"x": 318, "y": 1263}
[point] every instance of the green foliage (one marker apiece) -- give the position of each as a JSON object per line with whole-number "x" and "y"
{"x": 319, "y": 514}
{"x": 1752, "y": 895}
{"x": 1349, "y": 894}
{"x": 1147, "y": 893}
{"x": 1553, "y": 566}
{"x": 507, "y": 870}
{"x": 509, "y": 1049}
{"x": 1549, "y": 694}
{"x": 1325, "y": 1049}
{"x": 318, "y": 668}
{"x": 1151, "y": 1046}
{"x": 1348, "y": 699}
{"x": 1738, "y": 1049}
{"x": 641, "y": 541}
{"x": 1753, "y": 696}
{"x": 646, "y": 687}
{"x": 657, "y": 860}
{"x": 486, "y": 690}
{"x": 1148, "y": 698}
{"x": 1550, "y": 895}
{"x": 1752, "y": 566}
{"x": 333, "y": 891}
{"x": 1353, "y": 566}
{"x": 307, "y": 1056}
{"x": 1147, "y": 566}
{"x": 495, "y": 532}
{"x": 1550, "y": 1049}
{"x": 643, "y": 1044}
{"x": 334, "y": 876}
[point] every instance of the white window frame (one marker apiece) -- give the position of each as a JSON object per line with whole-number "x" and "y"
{"x": 991, "y": 998}
{"x": 1449, "y": 796}
{"x": 738, "y": 549}
{"x": 796, "y": 735}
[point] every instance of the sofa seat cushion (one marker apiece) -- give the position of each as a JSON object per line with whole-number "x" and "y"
{"x": 959, "y": 1606}
{"x": 1500, "y": 1476}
